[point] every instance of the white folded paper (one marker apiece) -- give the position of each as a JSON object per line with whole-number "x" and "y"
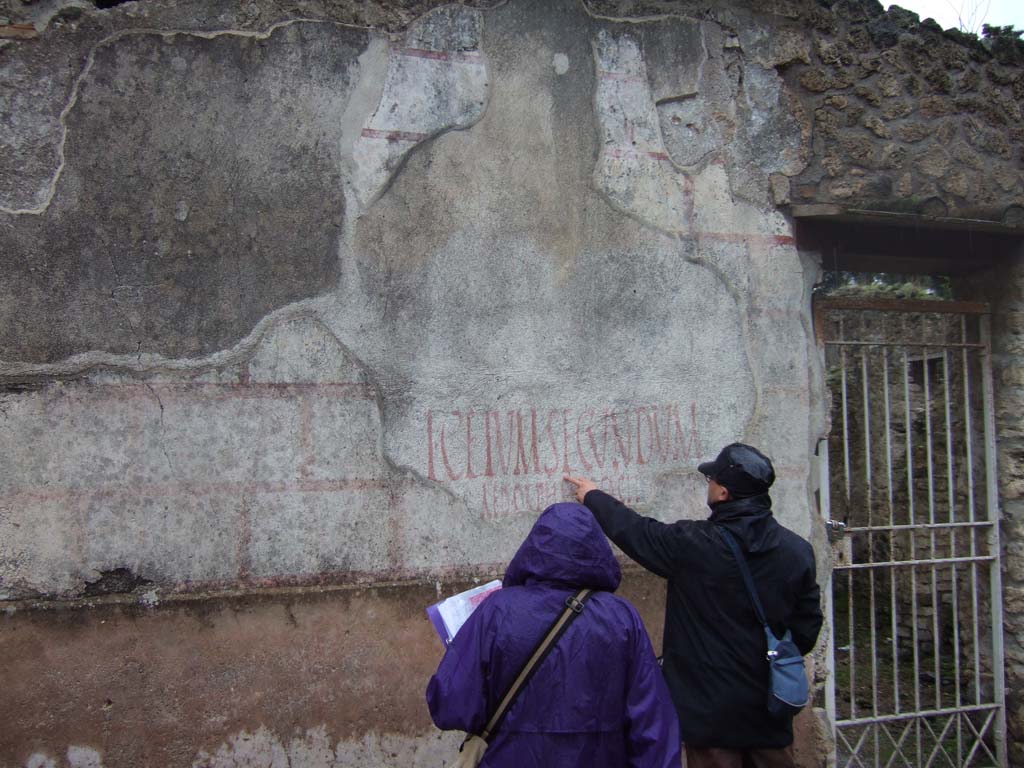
{"x": 450, "y": 614}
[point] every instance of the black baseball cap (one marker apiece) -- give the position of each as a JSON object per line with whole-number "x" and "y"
{"x": 743, "y": 469}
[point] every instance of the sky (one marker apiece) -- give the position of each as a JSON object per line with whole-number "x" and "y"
{"x": 973, "y": 12}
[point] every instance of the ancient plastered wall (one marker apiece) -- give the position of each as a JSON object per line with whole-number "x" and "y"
{"x": 298, "y": 303}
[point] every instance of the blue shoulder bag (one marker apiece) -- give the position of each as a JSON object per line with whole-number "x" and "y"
{"x": 788, "y": 690}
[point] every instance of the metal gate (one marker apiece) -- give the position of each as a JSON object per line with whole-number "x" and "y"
{"x": 908, "y": 486}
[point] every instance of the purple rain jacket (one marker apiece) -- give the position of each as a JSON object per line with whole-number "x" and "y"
{"x": 598, "y": 699}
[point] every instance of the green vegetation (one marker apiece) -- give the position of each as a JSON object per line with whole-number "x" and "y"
{"x": 1004, "y": 43}
{"x": 884, "y": 285}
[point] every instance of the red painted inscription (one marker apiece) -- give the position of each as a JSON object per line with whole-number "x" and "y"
{"x": 514, "y": 459}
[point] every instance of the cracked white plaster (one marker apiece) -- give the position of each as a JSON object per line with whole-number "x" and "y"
{"x": 98, "y": 487}
{"x": 437, "y": 80}
{"x": 634, "y": 171}
{"x": 299, "y": 437}
{"x": 720, "y": 212}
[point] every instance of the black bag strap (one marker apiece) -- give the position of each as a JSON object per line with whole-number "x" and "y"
{"x": 747, "y": 578}
{"x": 573, "y": 608}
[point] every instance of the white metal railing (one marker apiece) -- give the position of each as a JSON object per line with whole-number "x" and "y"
{"x": 914, "y": 596}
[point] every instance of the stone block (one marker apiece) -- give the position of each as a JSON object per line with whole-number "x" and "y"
{"x": 832, "y": 52}
{"x": 843, "y": 79}
{"x": 826, "y": 123}
{"x": 1013, "y": 603}
{"x": 946, "y": 131}
{"x": 844, "y": 189}
{"x": 904, "y": 185}
{"x": 1008, "y": 180}
{"x": 854, "y": 114}
{"x": 965, "y": 155}
{"x": 993, "y": 142}
{"x": 958, "y": 183}
{"x": 897, "y": 110}
{"x": 859, "y": 150}
{"x": 893, "y": 156}
{"x": 788, "y": 47}
{"x": 877, "y": 127}
{"x": 889, "y": 85}
{"x": 914, "y": 132}
{"x": 933, "y": 162}
{"x": 816, "y": 81}
{"x": 935, "y": 106}
{"x": 868, "y": 94}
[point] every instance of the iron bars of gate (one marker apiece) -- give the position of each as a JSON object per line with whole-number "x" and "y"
{"x": 917, "y": 655}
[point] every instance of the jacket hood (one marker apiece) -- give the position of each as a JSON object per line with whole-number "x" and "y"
{"x": 749, "y": 520}
{"x": 566, "y": 546}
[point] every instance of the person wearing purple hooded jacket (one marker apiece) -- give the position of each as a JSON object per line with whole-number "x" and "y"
{"x": 598, "y": 699}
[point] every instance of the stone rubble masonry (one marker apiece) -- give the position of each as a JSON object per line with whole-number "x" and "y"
{"x": 948, "y": 109}
{"x": 1008, "y": 375}
{"x": 308, "y": 306}
{"x": 1003, "y": 287}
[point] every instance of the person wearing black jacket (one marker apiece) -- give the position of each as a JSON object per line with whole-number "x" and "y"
{"x": 714, "y": 648}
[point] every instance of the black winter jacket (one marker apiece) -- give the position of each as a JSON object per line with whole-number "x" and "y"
{"x": 714, "y": 649}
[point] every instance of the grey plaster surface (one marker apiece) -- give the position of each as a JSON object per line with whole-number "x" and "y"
{"x": 190, "y": 165}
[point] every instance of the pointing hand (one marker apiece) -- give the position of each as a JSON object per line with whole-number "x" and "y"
{"x": 583, "y": 486}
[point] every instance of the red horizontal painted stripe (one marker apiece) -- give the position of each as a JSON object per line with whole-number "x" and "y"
{"x": 372, "y": 133}
{"x": 620, "y": 152}
{"x": 224, "y": 391}
{"x": 162, "y": 490}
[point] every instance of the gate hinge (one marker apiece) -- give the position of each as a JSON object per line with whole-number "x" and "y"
{"x": 836, "y": 529}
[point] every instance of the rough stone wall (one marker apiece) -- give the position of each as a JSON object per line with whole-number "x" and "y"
{"x": 908, "y": 118}
{"x": 326, "y": 294}
{"x": 1008, "y": 373}
{"x": 1004, "y": 286}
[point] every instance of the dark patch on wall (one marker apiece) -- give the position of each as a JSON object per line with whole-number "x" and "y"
{"x": 201, "y": 191}
{"x": 117, "y": 581}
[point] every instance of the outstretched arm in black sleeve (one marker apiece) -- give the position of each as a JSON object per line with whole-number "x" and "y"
{"x": 653, "y": 544}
